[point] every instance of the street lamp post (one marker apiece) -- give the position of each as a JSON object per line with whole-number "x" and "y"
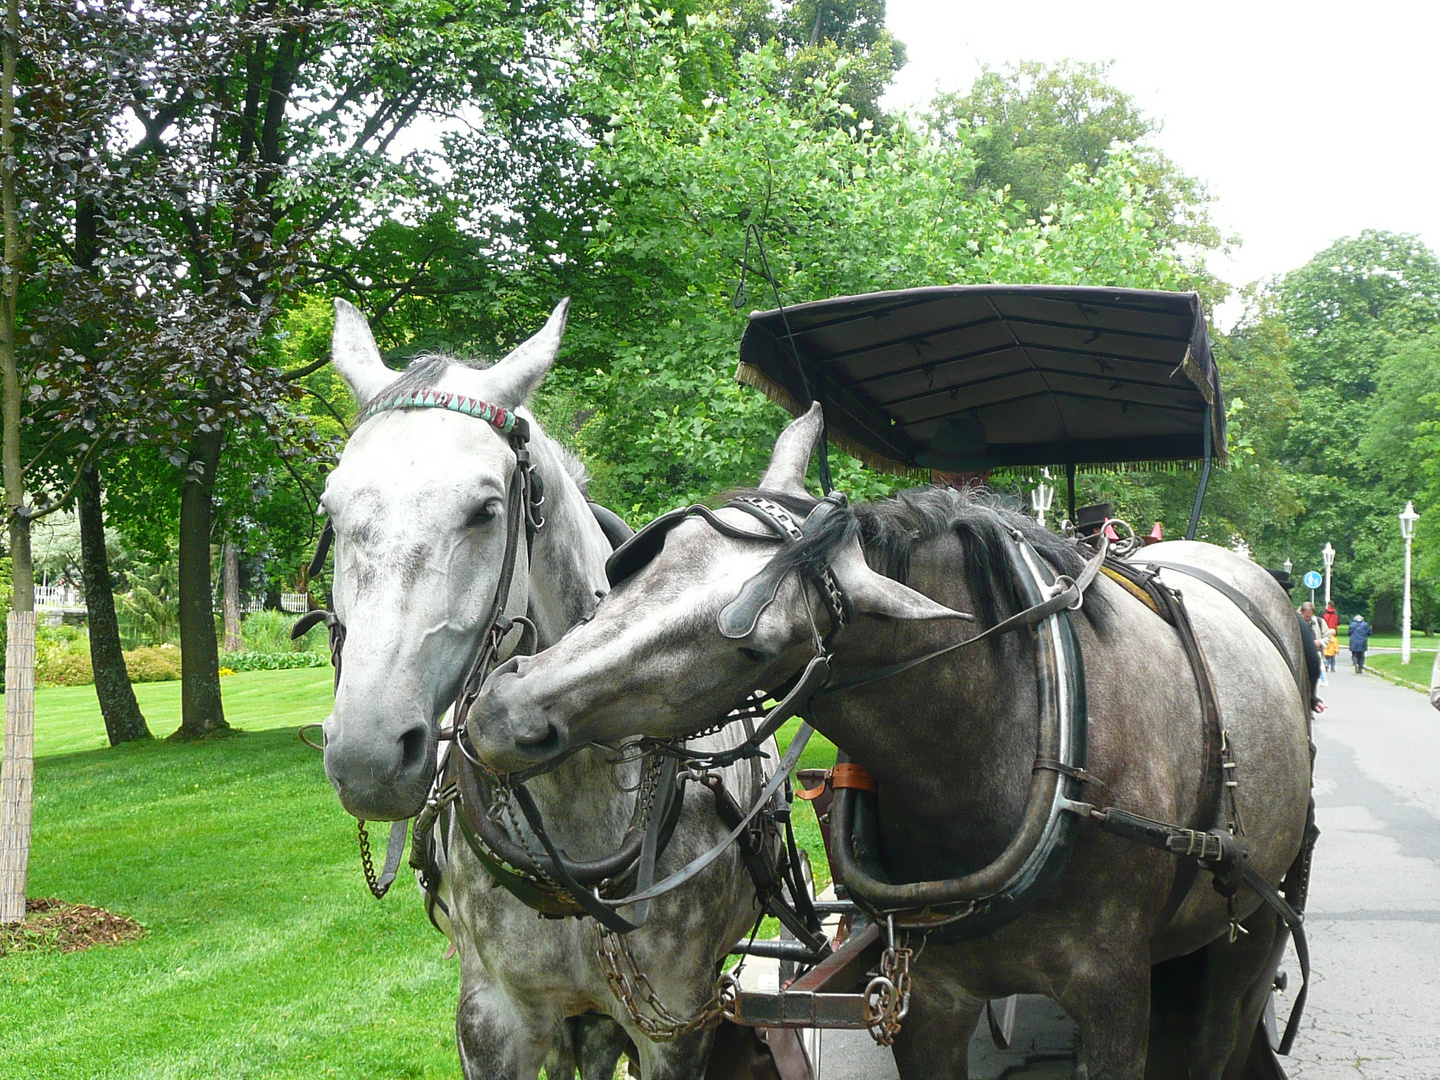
{"x": 1328, "y": 554}
{"x": 1288, "y": 567}
{"x": 1040, "y": 499}
{"x": 1408, "y": 517}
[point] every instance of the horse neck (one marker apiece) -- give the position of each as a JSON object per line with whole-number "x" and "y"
{"x": 584, "y": 808}
{"x": 567, "y": 561}
{"x": 951, "y": 743}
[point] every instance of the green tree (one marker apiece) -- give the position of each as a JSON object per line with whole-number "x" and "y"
{"x": 1030, "y": 124}
{"x": 1401, "y": 442}
{"x": 843, "y": 206}
{"x": 1355, "y": 303}
{"x": 264, "y": 136}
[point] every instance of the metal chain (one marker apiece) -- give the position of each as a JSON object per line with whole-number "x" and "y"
{"x": 648, "y": 792}
{"x": 367, "y": 864}
{"x": 887, "y": 997}
{"x": 504, "y": 804}
{"x": 632, "y": 988}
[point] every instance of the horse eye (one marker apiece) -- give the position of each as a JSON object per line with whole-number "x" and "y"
{"x": 485, "y": 514}
{"x": 753, "y": 654}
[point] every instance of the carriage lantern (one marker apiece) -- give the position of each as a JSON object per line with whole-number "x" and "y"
{"x": 1408, "y": 517}
{"x": 1288, "y": 567}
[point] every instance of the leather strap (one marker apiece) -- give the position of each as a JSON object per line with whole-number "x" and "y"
{"x": 1244, "y": 603}
{"x": 781, "y": 774}
{"x": 845, "y": 774}
{"x": 1068, "y": 598}
{"x": 1082, "y": 775}
{"x": 849, "y": 774}
{"x": 1117, "y": 575}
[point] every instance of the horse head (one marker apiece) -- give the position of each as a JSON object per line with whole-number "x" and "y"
{"x": 704, "y": 614}
{"x": 419, "y": 504}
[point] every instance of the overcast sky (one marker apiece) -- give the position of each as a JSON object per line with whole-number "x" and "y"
{"x": 1309, "y": 121}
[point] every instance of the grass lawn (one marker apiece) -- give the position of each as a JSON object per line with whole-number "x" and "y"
{"x": 1417, "y": 671}
{"x": 67, "y": 718}
{"x": 1418, "y": 640}
{"x": 265, "y": 955}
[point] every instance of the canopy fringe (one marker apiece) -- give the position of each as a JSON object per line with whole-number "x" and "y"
{"x": 754, "y": 377}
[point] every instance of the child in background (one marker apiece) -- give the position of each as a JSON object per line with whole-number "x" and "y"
{"x": 1331, "y": 650}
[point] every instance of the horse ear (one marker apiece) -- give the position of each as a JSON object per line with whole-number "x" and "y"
{"x": 792, "y": 453}
{"x": 511, "y": 381}
{"x": 352, "y": 347}
{"x": 876, "y": 594}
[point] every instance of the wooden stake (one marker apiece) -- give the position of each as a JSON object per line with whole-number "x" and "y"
{"x": 17, "y": 770}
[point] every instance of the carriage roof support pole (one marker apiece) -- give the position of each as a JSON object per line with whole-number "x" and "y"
{"x": 1070, "y": 483}
{"x": 1204, "y": 480}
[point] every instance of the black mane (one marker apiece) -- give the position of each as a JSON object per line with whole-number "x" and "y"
{"x": 890, "y": 529}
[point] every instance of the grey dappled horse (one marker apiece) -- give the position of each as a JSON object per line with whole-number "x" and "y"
{"x": 418, "y": 503}
{"x": 952, "y": 744}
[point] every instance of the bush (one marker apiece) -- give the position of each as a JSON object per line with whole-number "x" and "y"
{"x": 64, "y": 667}
{"x": 62, "y": 657}
{"x": 273, "y": 661}
{"x": 269, "y": 632}
{"x": 153, "y": 663}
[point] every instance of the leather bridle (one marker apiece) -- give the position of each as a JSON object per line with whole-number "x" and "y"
{"x": 550, "y": 882}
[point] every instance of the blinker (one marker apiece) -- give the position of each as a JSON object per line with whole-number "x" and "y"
{"x": 738, "y": 618}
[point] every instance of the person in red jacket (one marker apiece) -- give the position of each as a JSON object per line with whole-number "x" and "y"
{"x": 1331, "y": 617}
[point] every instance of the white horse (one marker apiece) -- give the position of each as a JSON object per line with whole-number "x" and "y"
{"x": 419, "y": 505}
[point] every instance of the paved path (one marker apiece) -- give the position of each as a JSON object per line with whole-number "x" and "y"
{"x": 1374, "y": 912}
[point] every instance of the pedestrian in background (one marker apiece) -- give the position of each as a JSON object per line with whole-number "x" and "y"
{"x": 1332, "y": 619}
{"x": 1435, "y": 682}
{"x": 1359, "y": 640}
{"x": 1332, "y": 650}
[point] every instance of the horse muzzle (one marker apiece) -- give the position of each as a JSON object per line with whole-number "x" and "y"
{"x": 509, "y": 734}
{"x": 380, "y": 775}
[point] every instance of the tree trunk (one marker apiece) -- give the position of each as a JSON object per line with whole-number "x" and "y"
{"x": 201, "y": 711}
{"x": 17, "y": 772}
{"x": 231, "y": 589}
{"x": 124, "y": 721}
{"x": 17, "y": 768}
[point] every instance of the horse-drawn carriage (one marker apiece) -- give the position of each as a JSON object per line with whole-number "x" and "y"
{"x": 1053, "y": 735}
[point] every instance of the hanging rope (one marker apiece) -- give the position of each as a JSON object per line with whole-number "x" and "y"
{"x": 753, "y": 230}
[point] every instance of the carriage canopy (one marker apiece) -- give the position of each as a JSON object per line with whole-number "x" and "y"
{"x": 965, "y": 378}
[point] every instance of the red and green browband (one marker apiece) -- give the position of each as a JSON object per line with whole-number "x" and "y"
{"x": 503, "y": 419}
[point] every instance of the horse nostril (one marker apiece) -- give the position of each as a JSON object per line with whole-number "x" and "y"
{"x": 538, "y": 737}
{"x": 413, "y": 745}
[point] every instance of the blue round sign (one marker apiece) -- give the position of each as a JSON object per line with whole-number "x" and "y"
{"x": 1312, "y": 579}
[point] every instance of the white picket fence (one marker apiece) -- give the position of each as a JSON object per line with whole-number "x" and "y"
{"x": 69, "y": 598}
{"x": 58, "y": 596}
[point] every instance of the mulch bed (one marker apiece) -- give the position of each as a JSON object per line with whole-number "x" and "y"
{"x": 64, "y": 927}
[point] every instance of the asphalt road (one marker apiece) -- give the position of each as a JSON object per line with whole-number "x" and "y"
{"x": 1374, "y": 912}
